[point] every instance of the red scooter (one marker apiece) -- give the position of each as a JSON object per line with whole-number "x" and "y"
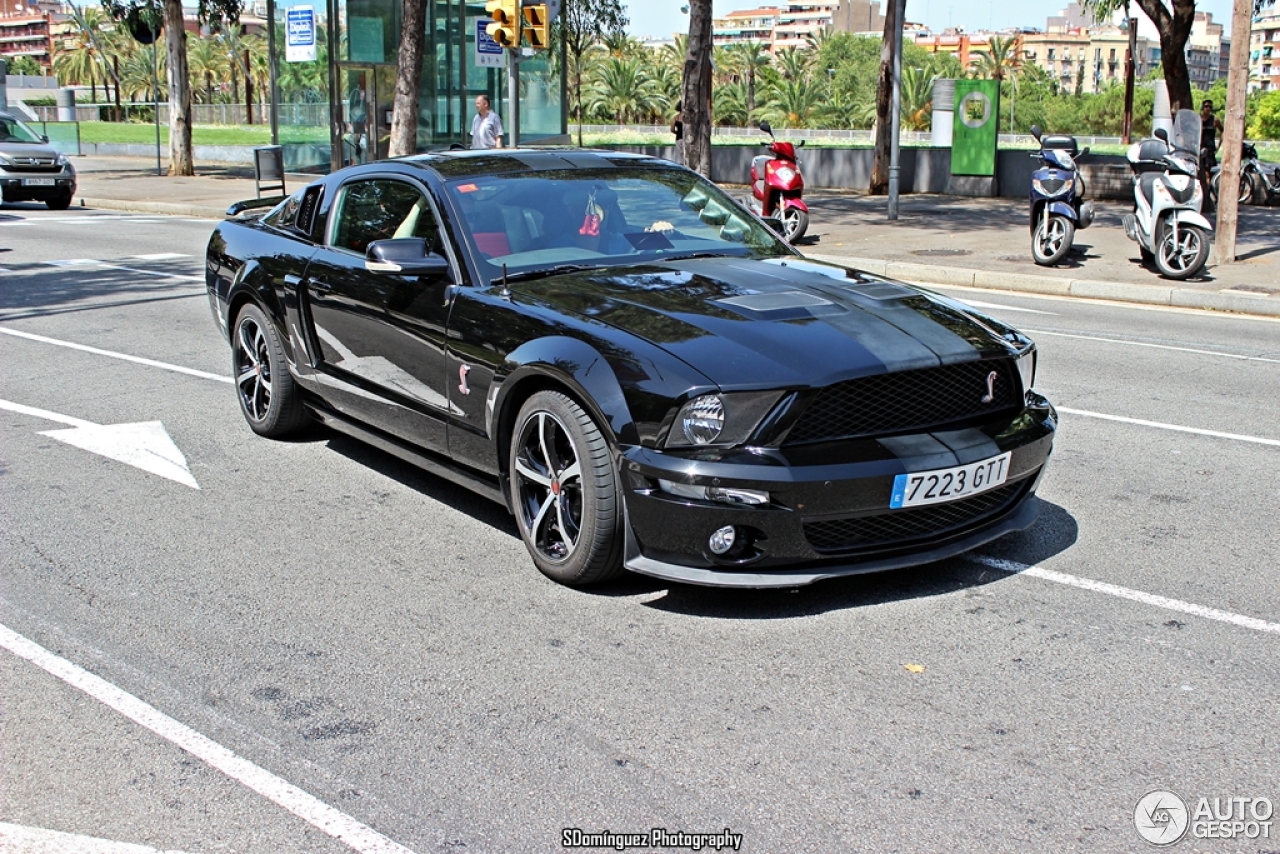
{"x": 776, "y": 186}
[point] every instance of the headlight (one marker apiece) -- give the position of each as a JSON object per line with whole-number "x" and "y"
{"x": 785, "y": 174}
{"x": 721, "y": 419}
{"x": 1027, "y": 369}
{"x": 62, "y": 160}
{"x": 1053, "y": 186}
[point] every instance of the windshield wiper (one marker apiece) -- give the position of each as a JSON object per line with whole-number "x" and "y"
{"x": 542, "y": 272}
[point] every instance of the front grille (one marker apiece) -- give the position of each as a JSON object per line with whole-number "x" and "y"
{"x": 907, "y": 401}
{"x": 899, "y": 527}
{"x": 29, "y": 169}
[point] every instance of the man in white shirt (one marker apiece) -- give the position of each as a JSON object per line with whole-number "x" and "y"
{"x": 486, "y": 127}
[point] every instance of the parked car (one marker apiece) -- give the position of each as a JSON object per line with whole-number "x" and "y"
{"x": 30, "y": 169}
{"x": 634, "y": 364}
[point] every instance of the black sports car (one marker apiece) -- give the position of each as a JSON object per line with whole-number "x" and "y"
{"x": 637, "y": 366}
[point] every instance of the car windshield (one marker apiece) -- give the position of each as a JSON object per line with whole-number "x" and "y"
{"x": 595, "y": 218}
{"x": 12, "y": 130}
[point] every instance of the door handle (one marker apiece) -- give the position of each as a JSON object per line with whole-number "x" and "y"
{"x": 320, "y": 287}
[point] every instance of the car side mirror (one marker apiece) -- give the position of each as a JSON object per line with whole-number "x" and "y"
{"x": 404, "y": 256}
{"x": 1086, "y": 151}
{"x": 44, "y": 137}
{"x": 800, "y": 144}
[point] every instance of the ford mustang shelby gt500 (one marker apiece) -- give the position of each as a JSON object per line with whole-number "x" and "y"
{"x": 637, "y": 366}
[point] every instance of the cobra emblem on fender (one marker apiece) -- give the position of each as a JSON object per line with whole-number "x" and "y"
{"x": 991, "y": 388}
{"x": 462, "y": 378}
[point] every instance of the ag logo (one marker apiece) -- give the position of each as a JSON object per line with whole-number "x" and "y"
{"x": 1161, "y": 817}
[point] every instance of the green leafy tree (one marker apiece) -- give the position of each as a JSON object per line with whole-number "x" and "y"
{"x": 747, "y": 59}
{"x": 580, "y": 25}
{"x": 1173, "y": 20}
{"x": 1265, "y": 123}
{"x": 170, "y": 13}
{"x": 621, "y": 89}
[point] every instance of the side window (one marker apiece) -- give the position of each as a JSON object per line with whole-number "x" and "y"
{"x": 286, "y": 215}
{"x": 379, "y": 209}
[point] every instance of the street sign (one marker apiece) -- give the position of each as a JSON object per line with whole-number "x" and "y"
{"x": 489, "y": 54}
{"x": 300, "y": 34}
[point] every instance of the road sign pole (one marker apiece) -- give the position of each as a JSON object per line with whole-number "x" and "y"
{"x": 513, "y": 95}
{"x": 155, "y": 89}
{"x": 272, "y": 65}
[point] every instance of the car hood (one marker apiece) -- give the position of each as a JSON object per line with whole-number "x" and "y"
{"x": 42, "y": 152}
{"x": 793, "y": 322}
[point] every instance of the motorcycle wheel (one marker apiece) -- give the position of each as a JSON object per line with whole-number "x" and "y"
{"x": 795, "y": 223}
{"x": 1052, "y": 240}
{"x": 1246, "y": 188}
{"x": 1182, "y": 258}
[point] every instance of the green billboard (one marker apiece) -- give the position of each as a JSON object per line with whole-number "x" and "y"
{"x": 973, "y": 137}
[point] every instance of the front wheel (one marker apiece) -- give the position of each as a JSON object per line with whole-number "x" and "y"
{"x": 1183, "y": 256}
{"x": 565, "y": 491}
{"x": 59, "y": 203}
{"x": 795, "y": 223}
{"x": 1052, "y": 239}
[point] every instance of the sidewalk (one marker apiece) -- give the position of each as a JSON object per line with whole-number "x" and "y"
{"x": 983, "y": 243}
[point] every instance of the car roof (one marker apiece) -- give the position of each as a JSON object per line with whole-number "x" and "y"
{"x": 450, "y": 165}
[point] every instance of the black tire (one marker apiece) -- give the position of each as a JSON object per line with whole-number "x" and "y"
{"x": 59, "y": 203}
{"x": 795, "y": 223}
{"x": 1148, "y": 257}
{"x": 1052, "y": 239}
{"x": 564, "y": 489}
{"x": 1185, "y": 257}
{"x": 269, "y": 398}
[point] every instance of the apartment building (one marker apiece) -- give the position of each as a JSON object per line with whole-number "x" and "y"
{"x": 1264, "y": 51}
{"x": 793, "y": 25}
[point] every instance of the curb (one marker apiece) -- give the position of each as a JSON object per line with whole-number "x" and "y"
{"x": 1168, "y": 294}
{"x": 166, "y": 208}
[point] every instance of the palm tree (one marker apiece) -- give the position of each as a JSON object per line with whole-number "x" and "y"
{"x": 793, "y": 62}
{"x": 1000, "y": 61}
{"x": 749, "y": 58}
{"x": 917, "y": 98}
{"x": 620, "y": 89}
{"x": 137, "y": 79}
{"x": 794, "y": 102}
{"x": 208, "y": 63}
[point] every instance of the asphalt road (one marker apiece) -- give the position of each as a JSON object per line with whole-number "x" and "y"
{"x": 335, "y": 621}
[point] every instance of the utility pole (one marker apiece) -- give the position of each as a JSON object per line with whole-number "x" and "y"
{"x": 895, "y": 111}
{"x": 1233, "y": 132}
{"x": 1129, "y": 74}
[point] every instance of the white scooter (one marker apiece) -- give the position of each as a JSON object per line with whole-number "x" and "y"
{"x": 1166, "y": 221}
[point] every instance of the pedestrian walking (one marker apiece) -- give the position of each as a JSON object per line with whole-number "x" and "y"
{"x": 677, "y": 128}
{"x": 486, "y": 127}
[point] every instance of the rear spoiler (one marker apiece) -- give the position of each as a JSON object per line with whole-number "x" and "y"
{"x": 249, "y": 204}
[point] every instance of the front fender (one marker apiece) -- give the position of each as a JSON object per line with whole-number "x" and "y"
{"x": 570, "y": 362}
{"x": 796, "y": 202}
{"x": 1063, "y": 209}
{"x": 1186, "y": 217}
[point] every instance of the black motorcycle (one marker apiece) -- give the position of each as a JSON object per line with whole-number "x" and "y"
{"x": 1255, "y": 183}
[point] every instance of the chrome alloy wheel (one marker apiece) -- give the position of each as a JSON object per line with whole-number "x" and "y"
{"x": 549, "y": 486}
{"x": 253, "y": 368}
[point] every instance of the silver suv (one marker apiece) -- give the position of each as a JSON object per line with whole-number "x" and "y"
{"x": 30, "y": 170}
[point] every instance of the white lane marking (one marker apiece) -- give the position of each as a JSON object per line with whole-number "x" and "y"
{"x": 1175, "y": 427}
{"x": 977, "y": 304}
{"x": 309, "y": 808}
{"x": 162, "y": 256}
{"x": 205, "y": 375}
{"x": 17, "y": 839}
{"x": 107, "y": 265}
{"x": 144, "y": 445}
{"x": 306, "y": 807}
{"x": 1153, "y": 346}
{"x": 1130, "y": 594}
{"x": 1202, "y": 312}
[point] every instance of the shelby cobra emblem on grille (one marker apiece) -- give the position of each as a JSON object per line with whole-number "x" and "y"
{"x": 991, "y": 388}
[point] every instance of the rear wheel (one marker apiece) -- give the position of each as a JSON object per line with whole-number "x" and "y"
{"x": 1183, "y": 256}
{"x": 268, "y": 396}
{"x": 1246, "y": 188}
{"x": 565, "y": 491}
{"x": 1052, "y": 239}
{"x": 795, "y": 223}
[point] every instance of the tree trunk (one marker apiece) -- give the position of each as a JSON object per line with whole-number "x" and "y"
{"x": 180, "y": 161}
{"x": 404, "y": 116}
{"x": 248, "y": 91}
{"x": 884, "y": 103}
{"x": 696, "y": 89}
{"x": 1174, "y": 30}
{"x": 1233, "y": 136}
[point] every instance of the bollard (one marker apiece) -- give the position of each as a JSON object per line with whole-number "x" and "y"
{"x": 268, "y": 168}
{"x": 65, "y": 98}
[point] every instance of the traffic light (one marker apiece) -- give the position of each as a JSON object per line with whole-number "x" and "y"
{"x": 505, "y": 29}
{"x": 537, "y": 29}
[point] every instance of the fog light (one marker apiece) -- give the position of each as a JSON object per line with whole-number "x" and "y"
{"x": 722, "y": 540}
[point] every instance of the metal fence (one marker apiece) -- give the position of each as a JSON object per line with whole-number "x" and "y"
{"x": 299, "y": 115}
{"x": 64, "y": 137}
{"x": 855, "y": 137}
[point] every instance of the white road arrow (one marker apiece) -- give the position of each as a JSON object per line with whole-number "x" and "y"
{"x": 145, "y": 445}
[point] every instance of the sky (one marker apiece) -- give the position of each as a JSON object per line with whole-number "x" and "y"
{"x": 661, "y": 18}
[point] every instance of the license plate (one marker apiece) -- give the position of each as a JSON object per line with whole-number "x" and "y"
{"x": 38, "y": 182}
{"x": 939, "y": 485}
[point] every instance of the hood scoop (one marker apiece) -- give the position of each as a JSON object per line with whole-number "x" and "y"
{"x": 783, "y": 305}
